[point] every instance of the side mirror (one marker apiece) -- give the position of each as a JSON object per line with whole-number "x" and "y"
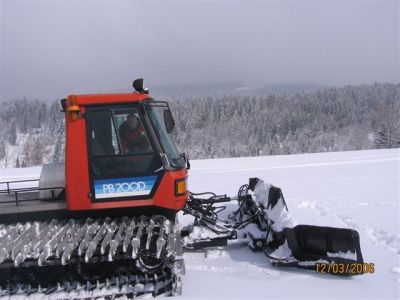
{"x": 168, "y": 120}
{"x": 186, "y": 160}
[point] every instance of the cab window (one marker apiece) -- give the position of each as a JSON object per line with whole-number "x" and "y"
{"x": 118, "y": 143}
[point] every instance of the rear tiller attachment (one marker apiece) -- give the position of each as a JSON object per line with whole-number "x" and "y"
{"x": 262, "y": 220}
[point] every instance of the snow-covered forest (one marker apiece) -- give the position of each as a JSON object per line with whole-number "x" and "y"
{"x": 329, "y": 119}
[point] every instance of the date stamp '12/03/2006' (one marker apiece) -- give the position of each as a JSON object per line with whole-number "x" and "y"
{"x": 355, "y": 268}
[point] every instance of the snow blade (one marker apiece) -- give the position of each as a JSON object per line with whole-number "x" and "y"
{"x": 301, "y": 245}
{"x": 323, "y": 245}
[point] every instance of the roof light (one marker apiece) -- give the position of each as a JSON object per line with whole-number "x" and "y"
{"x": 72, "y": 107}
{"x": 138, "y": 86}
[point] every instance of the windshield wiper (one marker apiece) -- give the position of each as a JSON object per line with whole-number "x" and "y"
{"x": 159, "y": 170}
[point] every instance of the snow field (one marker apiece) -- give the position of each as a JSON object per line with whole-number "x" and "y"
{"x": 358, "y": 189}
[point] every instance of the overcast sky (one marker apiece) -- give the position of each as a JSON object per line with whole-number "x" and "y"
{"x": 50, "y": 49}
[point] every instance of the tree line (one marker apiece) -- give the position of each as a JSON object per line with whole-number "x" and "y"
{"x": 329, "y": 119}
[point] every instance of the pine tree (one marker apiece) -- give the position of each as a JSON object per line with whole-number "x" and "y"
{"x": 12, "y": 134}
{"x": 2, "y": 150}
{"x": 382, "y": 137}
{"x": 37, "y": 152}
{"x": 58, "y": 155}
{"x": 17, "y": 164}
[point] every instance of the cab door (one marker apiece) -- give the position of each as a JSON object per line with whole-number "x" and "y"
{"x": 123, "y": 163}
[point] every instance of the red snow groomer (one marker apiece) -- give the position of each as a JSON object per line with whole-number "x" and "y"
{"x": 104, "y": 223}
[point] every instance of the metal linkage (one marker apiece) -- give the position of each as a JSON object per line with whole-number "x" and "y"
{"x": 211, "y": 230}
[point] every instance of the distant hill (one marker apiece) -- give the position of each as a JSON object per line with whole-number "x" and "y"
{"x": 229, "y": 88}
{"x": 225, "y": 88}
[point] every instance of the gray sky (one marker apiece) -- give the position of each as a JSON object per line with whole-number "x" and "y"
{"x": 50, "y": 49}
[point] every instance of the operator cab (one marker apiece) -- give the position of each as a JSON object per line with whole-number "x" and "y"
{"x": 129, "y": 149}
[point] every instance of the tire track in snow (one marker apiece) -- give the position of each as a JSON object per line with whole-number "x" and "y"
{"x": 347, "y": 221}
{"x": 378, "y": 236}
{"x": 384, "y": 238}
{"x": 243, "y": 268}
{"x": 209, "y": 263}
{"x": 313, "y": 205}
{"x": 389, "y": 241}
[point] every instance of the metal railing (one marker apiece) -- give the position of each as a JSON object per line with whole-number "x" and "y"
{"x": 55, "y": 192}
{"x": 7, "y": 183}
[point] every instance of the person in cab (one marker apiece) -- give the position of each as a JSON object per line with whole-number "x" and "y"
{"x": 133, "y": 136}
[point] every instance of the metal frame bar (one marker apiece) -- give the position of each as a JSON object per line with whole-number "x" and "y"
{"x": 7, "y": 183}
{"x": 19, "y": 191}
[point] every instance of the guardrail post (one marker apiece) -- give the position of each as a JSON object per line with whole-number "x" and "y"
{"x": 16, "y": 198}
{"x": 8, "y": 188}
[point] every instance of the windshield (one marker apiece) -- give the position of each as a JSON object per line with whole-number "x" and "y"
{"x": 156, "y": 116}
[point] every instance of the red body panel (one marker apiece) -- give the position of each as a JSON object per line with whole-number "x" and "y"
{"x": 77, "y": 168}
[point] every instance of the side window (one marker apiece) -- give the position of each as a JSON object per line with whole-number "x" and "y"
{"x": 101, "y": 132}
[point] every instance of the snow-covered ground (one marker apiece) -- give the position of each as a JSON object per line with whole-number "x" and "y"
{"x": 357, "y": 190}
